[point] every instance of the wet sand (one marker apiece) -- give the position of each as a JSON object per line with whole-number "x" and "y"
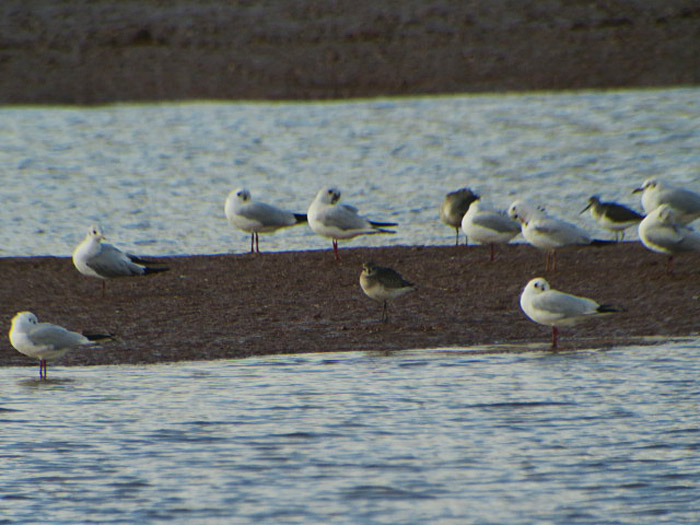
{"x": 75, "y": 52}
{"x": 232, "y": 306}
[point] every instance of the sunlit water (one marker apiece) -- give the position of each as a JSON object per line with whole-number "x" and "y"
{"x": 413, "y": 437}
{"x": 156, "y": 176}
{"x": 430, "y": 436}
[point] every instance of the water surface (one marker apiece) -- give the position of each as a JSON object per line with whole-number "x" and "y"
{"x": 156, "y": 176}
{"x": 427, "y": 436}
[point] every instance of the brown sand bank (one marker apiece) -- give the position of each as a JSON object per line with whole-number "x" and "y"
{"x": 230, "y": 306}
{"x": 77, "y": 52}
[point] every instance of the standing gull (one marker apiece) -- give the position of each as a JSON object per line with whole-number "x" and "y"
{"x": 612, "y": 216}
{"x": 655, "y": 193}
{"x": 383, "y": 284}
{"x": 548, "y": 233}
{"x": 485, "y": 225}
{"x": 662, "y": 232}
{"x": 339, "y": 221}
{"x": 45, "y": 341}
{"x": 553, "y": 308}
{"x": 94, "y": 258}
{"x": 454, "y": 206}
{"x": 257, "y": 217}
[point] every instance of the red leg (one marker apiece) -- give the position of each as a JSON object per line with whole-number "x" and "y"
{"x": 555, "y": 333}
{"x": 335, "y": 249}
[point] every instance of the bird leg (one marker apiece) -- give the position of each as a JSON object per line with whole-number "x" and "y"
{"x": 385, "y": 317}
{"x": 335, "y": 249}
{"x": 257, "y": 245}
{"x": 42, "y": 369}
{"x": 492, "y": 254}
{"x": 252, "y": 241}
{"x": 555, "y": 333}
{"x": 456, "y": 236}
{"x": 669, "y": 265}
{"x": 104, "y": 282}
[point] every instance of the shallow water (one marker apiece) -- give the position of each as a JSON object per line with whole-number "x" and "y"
{"x": 156, "y": 176}
{"x": 428, "y": 436}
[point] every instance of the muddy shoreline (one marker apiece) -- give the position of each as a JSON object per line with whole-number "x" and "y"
{"x": 100, "y": 52}
{"x": 234, "y": 306}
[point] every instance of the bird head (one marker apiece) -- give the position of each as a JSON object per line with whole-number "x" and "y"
{"x": 328, "y": 195}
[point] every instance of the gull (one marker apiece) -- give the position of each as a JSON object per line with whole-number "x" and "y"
{"x": 612, "y": 216}
{"x": 383, "y": 284}
{"x": 45, "y": 341}
{"x": 94, "y": 258}
{"x": 454, "y": 206}
{"x": 548, "y": 233}
{"x": 553, "y": 308}
{"x": 661, "y": 231}
{"x": 485, "y": 225}
{"x": 257, "y": 217}
{"x": 655, "y": 193}
{"x": 340, "y": 221}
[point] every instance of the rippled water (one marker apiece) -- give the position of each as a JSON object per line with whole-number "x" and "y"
{"x": 429, "y": 436}
{"x": 156, "y": 176}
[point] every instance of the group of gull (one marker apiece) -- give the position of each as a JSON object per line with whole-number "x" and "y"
{"x": 664, "y": 229}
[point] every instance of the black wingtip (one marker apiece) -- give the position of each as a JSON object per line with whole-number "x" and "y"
{"x": 301, "y": 217}
{"x": 98, "y": 337}
{"x": 149, "y": 270}
{"x": 383, "y": 224}
{"x": 602, "y": 242}
{"x": 610, "y": 308}
{"x": 138, "y": 260}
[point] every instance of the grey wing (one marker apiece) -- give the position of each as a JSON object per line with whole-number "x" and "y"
{"x": 668, "y": 236}
{"x": 267, "y": 215}
{"x": 496, "y": 222}
{"x": 564, "y": 304}
{"x": 564, "y": 232}
{"x": 112, "y": 262}
{"x": 56, "y": 337}
{"x": 684, "y": 200}
{"x": 344, "y": 218}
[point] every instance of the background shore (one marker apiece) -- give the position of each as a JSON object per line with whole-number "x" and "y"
{"x": 74, "y": 52}
{"x": 230, "y": 306}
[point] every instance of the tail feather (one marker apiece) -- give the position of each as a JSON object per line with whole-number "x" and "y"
{"x": 300, "y": 217}
{"x": 382, "y": 230}
{"x": 609, "y": 308}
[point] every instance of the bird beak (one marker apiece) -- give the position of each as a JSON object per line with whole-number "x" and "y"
{"x": 637, "y": 190}
{"x": 589, "y": 205}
